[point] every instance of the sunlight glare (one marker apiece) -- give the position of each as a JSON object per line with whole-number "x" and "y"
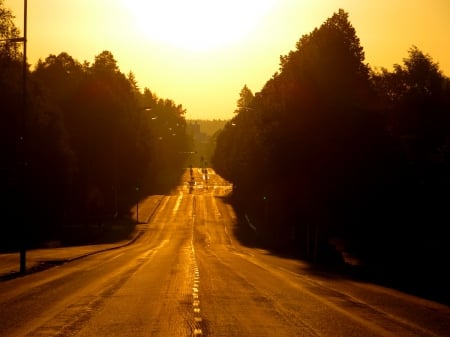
{"x": 197, "y": 24}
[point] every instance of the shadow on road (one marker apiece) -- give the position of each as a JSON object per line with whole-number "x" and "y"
{"x": 424, "y": 279}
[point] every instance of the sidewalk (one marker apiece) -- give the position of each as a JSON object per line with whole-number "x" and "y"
{"x": 38, "y": 259}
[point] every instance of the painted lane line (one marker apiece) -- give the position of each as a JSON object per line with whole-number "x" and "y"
{"x": 196, "y": 329}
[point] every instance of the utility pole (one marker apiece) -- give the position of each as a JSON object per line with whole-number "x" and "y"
{"x": 137, "y": 205}
{"x": 22, "y": 146}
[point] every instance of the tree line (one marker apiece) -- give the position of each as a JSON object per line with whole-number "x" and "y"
{"x": 331, "y": 148}
{"x": 209, "y": 126}
{"x": 81, "y": 146}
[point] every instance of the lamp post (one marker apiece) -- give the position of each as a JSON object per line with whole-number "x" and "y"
{"x": 137, "y": 205}
{"x": 23, "y": 248}
{"x": 137, "y": 188}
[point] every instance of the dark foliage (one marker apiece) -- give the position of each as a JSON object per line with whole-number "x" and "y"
{"x": 332, "y": 149}
{"x": 87, "y": 144}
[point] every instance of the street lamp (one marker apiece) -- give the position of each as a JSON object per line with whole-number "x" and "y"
{"x": 137, "y": 188}
{"x": 14, "y": 40}
{"x": 23, "y": 250}
{"x": 137, "y": 205}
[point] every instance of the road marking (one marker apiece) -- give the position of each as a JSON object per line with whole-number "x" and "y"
{"x": 115, "y": 257}
{"x": 177, "y": 204}
{"x": 197, "y": 331}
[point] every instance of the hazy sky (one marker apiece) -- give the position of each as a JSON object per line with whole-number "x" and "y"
{"x": 200, "y": 53}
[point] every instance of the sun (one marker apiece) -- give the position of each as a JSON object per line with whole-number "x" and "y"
{"x": 197, "y": 24}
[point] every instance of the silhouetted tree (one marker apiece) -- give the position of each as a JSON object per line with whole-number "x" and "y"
{"x": 60, "y": 75}
{"x": 93, "y": 140}
{"x": 8, "y": 30}
{"x": 36, "y": 159}
{"x": 245, "y": 99}
{"x": 11, "y": 109}
{"x": 414, "y": 99}
{"x": 311, "y": 139}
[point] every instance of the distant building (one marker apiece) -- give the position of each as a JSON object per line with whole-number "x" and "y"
{"x": 193, "y": 130}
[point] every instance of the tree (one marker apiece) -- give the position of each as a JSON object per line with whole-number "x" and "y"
{"x": 61, "y": 75}
{"x": 10, "y": 83}
{"x": 11, "y": 86}
{"x": 245, "y": 99}
{"x": 90, "y": 140}
{"x": 8, "y": 30}
{"x": 415, "y": 94}
{"x": 328, "y": 63}
{"x": 415, "y": 100}
{"x": 36, "y": 157}
{"x": 105, "y": 63}
{"x": 310, "y": 130}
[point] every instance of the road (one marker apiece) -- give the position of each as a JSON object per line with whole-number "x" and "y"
{"x": 187, "y": 275}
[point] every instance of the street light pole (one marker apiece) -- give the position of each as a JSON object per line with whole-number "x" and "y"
{"x": 23, "y": 248}
{"x": 137, "y": 205}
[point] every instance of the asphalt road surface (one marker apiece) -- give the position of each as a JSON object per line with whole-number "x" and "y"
{"x": 187, "y": 275}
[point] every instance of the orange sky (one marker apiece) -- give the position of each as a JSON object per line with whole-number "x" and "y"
{"x": 200, "y": 53}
